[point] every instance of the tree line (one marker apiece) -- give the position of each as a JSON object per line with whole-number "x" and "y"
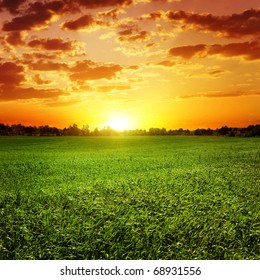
{"x": 74, "y": 130}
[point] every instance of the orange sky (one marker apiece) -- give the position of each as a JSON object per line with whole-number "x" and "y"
{"x": 130, "y": 63}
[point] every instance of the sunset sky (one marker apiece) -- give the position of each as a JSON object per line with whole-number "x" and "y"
{"x": 130, "y": 63}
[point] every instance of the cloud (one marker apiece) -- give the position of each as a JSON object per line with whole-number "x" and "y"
{"x": 220, "y": 94}
{"x": 248, "y": 50}
{"x": 31, "y": 56}
{"x": 83, "y": 22}
{"x": 11, "y": 78}
{"x": 96, "y": 73}
{"x": 162, "y": 64}
{"x": 132, "y": 33}
{"x": 29, "y": 93}
{"x": 236, "y": 25}
{"x": 216, "y": 72}
{"x": 62, "y": 103}
{"x": 12, "y": 6}
{"x": 187, "y": 52}
{"x": 11, "y": 74}
{"x": 92, "y": 4}
{"x": 166, "y": 63}
{"x": 15, "y": 38}
{"x": 38, "y": 15}
{"x": 112, "y": 88}
{"x": 42, "y": 65}
{"x": 154, "y": 15}
{"x": 56, "y": 44}
{"x": 39, "y": 81}
{"x": 113, "y": 14}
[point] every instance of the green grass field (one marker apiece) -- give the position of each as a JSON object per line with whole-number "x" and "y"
{"x": 129, "y": 198}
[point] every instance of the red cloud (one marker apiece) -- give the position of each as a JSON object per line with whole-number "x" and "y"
{"x": 236, "y": 25}
{"x": 91, "y": 4}
{"x": 37, "y": 15}
{"x": 220, "y": 94}
{"x": 11, "y": 74}
{"x": 82, "y": 22}
{"x": 187, "y": 51}
{"x": 112, "y": 88}
{"x": 248, "y": 50}
{"x": 88, "y": 70}
{"x": 39, "y": 81}
{"x": 101, "y": 72}
{"x": 12, "y": 6}
{"x": 51, "y": 44}
{"x": 31, "y": 56}
{"x": 48, "y": 66}
{"x": 133, "y": 34}
{"x": 29, "y": 93}
{"x": 111, "y": 13}
{"x": 15, "y": 38}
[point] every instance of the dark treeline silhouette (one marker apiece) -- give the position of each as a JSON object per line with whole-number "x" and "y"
{"x": 74, "y": 130}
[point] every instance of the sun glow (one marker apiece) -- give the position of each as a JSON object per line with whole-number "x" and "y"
{"x": 119, "y": 123}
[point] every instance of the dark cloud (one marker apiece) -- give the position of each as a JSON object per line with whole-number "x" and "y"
{"x": 111, "y": 13}
{"x": 187, "y": 51}
{"x": 92, "y": 4}
{"x": 11, "y": 5}
{"x": 153, "y": 15}
{"x": 11, "y": 78}
{"x": 11, "y": 74}
{"x": 236, "y": 25}
{"x": 15, "y": 38}
{"x": 132, "y": 33}
{"x": 29, "y": 93}
{"x": 36, "y": 16}
{"x": 39, "y": 13}
{"x": 101, "y": 72}
{"x": 248, "y": 50}
{"x": 43, "y": 65}
{"x": 32, "y": 56}
{"x": 81, "y": 23}
{"x": 88, "y": 70}
{"x": 52, "y": 44}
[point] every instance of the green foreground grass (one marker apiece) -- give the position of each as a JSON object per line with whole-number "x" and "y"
{"x": 129, "y": 198}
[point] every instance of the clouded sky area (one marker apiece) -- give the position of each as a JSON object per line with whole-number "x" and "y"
{"x": 149, "y": 63}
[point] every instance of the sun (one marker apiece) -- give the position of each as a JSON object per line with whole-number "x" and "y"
{"x": 119, "y": 123}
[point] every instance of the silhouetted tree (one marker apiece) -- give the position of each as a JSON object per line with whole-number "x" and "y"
{"x": 73, "y": 130}
{"x": 85, "y": 130}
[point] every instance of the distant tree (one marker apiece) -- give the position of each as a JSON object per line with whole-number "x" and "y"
{"x": 95, "y": 132}
{"x": 5, "y": 129}
{"x": 30, "y": 130}
{"x": 252, "y": 130}
{"x": 157, "y": 131}
{"x": 72, "y": 130}
{"x": 85, "y": 130}
{"x": 224, "y": 130}
{"x": 18, "y": 129}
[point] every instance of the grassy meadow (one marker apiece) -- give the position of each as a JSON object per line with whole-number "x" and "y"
{"x": 158, "y": 197}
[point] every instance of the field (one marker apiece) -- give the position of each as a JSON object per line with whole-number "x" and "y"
{"x": 129, "y": 198}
